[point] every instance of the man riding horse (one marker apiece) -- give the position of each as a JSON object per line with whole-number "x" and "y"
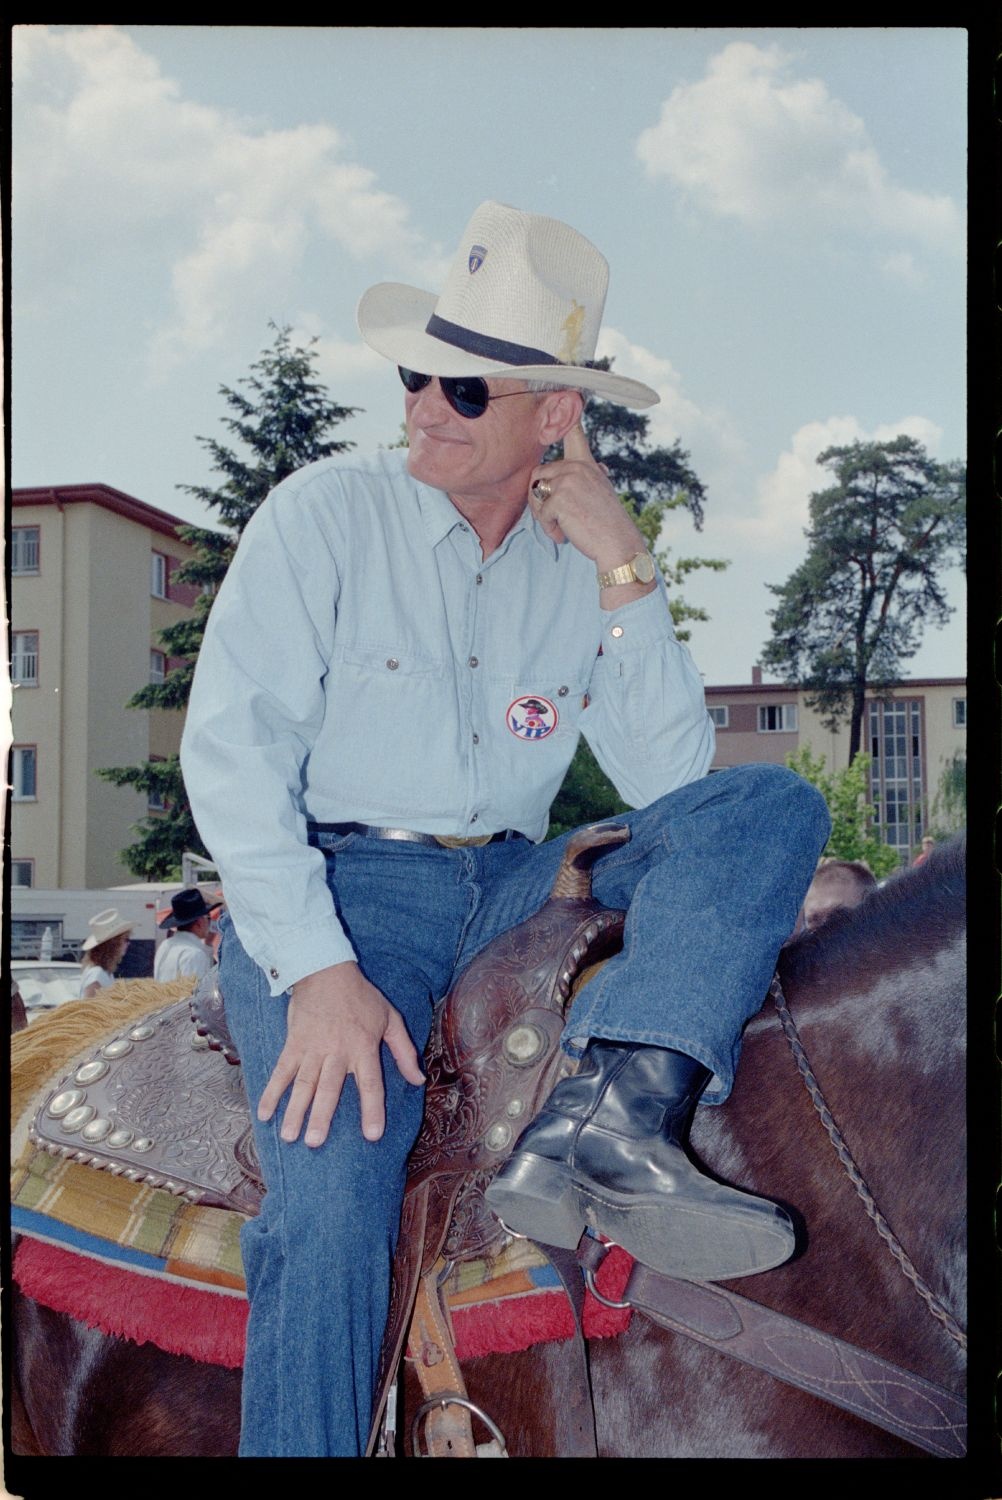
{"x": 392, "y": 685}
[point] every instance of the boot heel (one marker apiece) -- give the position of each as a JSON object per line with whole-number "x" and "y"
{"x": 535, "y": 1197}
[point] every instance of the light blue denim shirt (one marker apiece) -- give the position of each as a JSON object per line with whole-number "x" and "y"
{"x": 364, "y": 663}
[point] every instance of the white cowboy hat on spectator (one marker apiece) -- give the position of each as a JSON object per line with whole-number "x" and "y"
{"x": 105, "y": 926}
{"x": 524, "y": 298}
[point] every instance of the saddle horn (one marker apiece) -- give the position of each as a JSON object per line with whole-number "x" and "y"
{"x": 573, "y": 880}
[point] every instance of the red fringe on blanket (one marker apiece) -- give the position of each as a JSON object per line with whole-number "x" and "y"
{"x": 211, "y": 1327}
{"x": 129, "y": 1305}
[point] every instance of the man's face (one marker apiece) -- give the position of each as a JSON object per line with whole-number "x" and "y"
{"x": 488, "y": 456}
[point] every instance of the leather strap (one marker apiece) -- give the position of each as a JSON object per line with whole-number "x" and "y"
{"x": 448, "y": 1430}
{"x": 896, "y": 1400}
{"x": 576, "y": 1436}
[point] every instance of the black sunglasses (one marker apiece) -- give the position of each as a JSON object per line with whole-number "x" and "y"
{"x": 466, "y": 394}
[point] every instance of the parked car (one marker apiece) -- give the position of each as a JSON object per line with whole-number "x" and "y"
{"x": 45, "y": 984}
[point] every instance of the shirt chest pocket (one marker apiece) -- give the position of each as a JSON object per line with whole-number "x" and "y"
{"x": 390, "y": 721}
{"x": 376, "y": 695}
{"x": 394, "y": 663}
{"x": 541, "y": 707}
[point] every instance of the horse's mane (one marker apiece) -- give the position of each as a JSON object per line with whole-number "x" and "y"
{"x": 915, "y": 912}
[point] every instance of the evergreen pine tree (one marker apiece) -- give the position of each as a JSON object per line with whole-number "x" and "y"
{"x": 283, "y": 418}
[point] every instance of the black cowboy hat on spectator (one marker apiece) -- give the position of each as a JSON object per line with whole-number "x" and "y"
{"x": 186, "y": 907}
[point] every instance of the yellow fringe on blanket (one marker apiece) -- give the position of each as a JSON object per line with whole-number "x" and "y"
{"x": 48, "y": 1045}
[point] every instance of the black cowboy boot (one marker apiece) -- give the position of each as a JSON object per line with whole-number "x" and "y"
{"x": 608, "y": 1150}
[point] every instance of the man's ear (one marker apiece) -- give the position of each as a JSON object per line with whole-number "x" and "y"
{"x": 561, "y": 410}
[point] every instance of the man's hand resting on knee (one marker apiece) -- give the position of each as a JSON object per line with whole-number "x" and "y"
{"x": 337, "y": 1022}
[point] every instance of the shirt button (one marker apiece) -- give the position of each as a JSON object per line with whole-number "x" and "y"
{"x": 475, "y": 817}
{"x": 476, "y": 739}
{"x": 273, "y": 973}
{"x": 616, "y": 631}
{"x": 474, "y": 662}
{"x": 480, "y": 577}
{"x": 392, "y": 663}
{"x": 463, "y": 526}
{"x": 561, "y": 692}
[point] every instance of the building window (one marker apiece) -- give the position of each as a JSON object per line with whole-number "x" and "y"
{"x": 24, "y": 658}
{"x": 24, "y": 549}
{"x": 896, "y": 773}
{"x": 777, "y": 718}
{"x": 22, "y": 872}
{"x": 154, "y": 797}
{"x": 24, "y": 778}
{"x": 718, "y": 716}
{"x": 158, "y": 575}
{"x": 158, "y": 666}
{"x": 960, "y": 713}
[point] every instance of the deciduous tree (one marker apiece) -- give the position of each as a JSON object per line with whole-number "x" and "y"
{"x": 845, "y": 792}
{"x": 879, "y": 542}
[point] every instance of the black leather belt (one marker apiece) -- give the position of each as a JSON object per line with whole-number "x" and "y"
{"x": 410, "y": 835}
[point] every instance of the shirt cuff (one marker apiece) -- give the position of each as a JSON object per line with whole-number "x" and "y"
{"x": 302, "y": 951}
{"x": 638, "y": 625}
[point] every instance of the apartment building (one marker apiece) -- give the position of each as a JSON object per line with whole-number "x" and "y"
{"x": 92, "y": 584}
{"x": 912, "y": 737}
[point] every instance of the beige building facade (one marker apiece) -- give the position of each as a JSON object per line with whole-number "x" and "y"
{"x": 92, "y": 584}
{"x": 913, "y": 737}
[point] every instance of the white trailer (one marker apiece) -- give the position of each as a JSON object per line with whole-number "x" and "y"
{"x": 53, "y": 923}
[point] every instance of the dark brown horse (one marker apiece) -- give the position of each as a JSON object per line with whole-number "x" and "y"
{"x": 878, "y": 997}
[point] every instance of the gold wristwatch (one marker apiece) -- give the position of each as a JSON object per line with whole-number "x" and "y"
{"x": 639, "y": 569}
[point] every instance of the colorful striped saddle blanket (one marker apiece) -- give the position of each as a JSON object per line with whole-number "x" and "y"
{"x": 141, "y": 1263}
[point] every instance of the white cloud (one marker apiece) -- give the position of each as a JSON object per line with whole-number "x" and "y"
{"x": 753, "y": 142}
{"x": 220, "y": 206}
{"x": 781, "y": 497}
{"x": 339, "y": 360}
{"x": 707, "y": 434}
{"x": 901, "y": 266}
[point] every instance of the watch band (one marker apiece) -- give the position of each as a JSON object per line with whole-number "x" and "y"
{"x": 639, "y": 569}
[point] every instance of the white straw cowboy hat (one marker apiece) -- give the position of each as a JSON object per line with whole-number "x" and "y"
{"x": 105, "y": 926}
{"x": 524, "y": 298}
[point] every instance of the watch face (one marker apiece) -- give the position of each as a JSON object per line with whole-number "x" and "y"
{"x": 643, "y": 566}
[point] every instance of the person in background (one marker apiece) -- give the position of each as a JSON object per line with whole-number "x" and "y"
{"x": 104, "y": 950}
{"x": 837, "y": 883}
{"x": 188, "y": 949}
{"x": 928, "y": 845}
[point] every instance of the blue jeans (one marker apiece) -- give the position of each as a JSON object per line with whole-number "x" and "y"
{"x": 712, "y": 879}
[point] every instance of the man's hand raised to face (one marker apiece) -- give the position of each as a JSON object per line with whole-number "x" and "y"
{"x": 583, "y": 508}
{"x": 336, "y": 1025}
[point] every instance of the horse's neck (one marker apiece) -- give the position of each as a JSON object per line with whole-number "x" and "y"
{"x": 887, "y": 1054}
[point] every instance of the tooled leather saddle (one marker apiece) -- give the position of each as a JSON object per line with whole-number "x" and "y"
{"x": 158, "y": 1105}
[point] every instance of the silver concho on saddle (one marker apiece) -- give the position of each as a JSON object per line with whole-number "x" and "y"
{"x": 162, "y": 1103}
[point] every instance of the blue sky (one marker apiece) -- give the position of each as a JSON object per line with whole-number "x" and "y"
{"x": 783, "y": 211}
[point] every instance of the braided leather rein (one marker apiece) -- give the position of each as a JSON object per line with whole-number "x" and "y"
{"x": 844, "y": 1155}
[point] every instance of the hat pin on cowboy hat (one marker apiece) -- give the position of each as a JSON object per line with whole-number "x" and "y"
{"x": 524, "y": 297}
{"x": 105, "y": 926}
